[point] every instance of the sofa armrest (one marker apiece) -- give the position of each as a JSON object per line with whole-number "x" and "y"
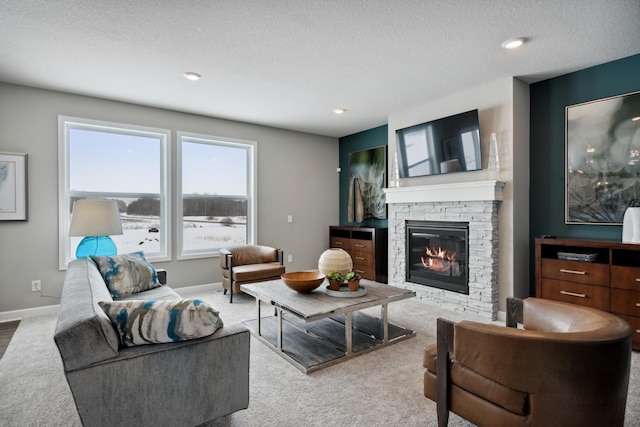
{"x": 445, "y": 331}
{"x": 184, "y": 383}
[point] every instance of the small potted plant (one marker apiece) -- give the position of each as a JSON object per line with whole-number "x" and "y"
{"x": 335, "y": 280}
{"x": 353, "y": 280}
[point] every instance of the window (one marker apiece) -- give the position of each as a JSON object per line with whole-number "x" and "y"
{"x": 216, "y": 185}
{"x": 121, "y": 162}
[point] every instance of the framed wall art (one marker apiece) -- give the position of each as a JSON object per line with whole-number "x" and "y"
{"x": 602, "y": 159}
{"x": 13, "y": 186}
{"x": 367, "y": 180}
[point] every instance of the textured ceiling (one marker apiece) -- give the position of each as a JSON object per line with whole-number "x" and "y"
{"x": 288, "y": 63}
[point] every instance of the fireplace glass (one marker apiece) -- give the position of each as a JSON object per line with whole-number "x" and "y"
{"x": 437, "y": 254}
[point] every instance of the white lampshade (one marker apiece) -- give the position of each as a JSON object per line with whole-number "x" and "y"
{"x": 94, "y": 217}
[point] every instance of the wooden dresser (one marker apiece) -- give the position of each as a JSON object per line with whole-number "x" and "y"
{"x": 609, "y": 282}
{"x": 367, "y": 247}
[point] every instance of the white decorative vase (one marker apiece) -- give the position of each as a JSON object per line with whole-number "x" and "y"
{"x": 631, "y": 226}
{"x": 335, "y": 259}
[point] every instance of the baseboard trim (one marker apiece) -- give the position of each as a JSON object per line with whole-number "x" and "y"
{"x": 10, "y": 316}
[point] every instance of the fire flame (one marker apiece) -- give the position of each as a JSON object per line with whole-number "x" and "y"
{"x": 438, "y": 259}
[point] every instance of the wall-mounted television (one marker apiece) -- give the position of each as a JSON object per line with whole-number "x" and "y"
{"x": 449, "y": 144}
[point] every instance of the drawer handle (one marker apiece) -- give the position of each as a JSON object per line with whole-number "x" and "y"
{"x": 338, "y": 243}
{"x": 573, "y": 294}
{"x": 638, "y": 304}
{"x": 637, "y": 331}
{"x": 637, "y": 279}
{"x": 563, "y": 270}
{"x": 360, "y": 258}
{"x": 359, "y": 246}
{"x": 360, "y": 271}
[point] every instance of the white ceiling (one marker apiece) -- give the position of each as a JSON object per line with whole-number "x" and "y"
{"x": 288, "y": 63}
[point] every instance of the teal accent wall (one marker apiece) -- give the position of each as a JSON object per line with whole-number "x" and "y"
{"x": 547, "y": 144}
{"x": 364, "y": 140}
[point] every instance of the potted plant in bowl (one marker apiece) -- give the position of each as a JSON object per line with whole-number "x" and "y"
{"x": 335, "y": 280}
{"x": 353, "y": 280}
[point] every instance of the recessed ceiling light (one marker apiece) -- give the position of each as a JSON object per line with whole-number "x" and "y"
{"x": 513, "y": 43}
{"x": 192, "y": 76}
{"x": 339, "y": 110}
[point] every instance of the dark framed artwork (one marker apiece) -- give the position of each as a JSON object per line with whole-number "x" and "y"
{"x": 603, "y": 159}
{"x": 13, "y": 186}
{"x": 367, "y": 180}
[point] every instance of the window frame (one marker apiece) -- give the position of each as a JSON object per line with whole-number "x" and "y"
{"x": 252, "y": 198}
{"x": 65, "y": 124}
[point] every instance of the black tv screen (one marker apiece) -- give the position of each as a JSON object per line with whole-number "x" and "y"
{"x": 449, "y": 144}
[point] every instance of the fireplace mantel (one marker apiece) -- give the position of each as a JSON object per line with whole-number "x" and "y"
{"x": 459, "y": 191}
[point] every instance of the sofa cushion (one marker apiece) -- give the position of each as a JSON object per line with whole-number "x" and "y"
{"x": 149, "y": 322}
{"x": 127, "y": 274}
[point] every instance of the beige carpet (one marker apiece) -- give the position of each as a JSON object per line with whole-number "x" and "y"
{"x": 381, "y": 388}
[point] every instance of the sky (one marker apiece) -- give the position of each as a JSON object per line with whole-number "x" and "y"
{"x": 112, "y": 162}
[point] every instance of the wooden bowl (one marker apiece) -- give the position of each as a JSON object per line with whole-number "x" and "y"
{"x": 303, "y": 281}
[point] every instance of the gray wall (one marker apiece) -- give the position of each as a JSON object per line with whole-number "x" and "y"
{"x": 296, "y": 176}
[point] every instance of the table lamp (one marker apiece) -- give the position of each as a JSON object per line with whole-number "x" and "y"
{"x": 95, "y": 219}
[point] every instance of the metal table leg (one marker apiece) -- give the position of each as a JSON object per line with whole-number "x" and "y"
{"x": 385, "y": 323}
{"x": 348, "y": 331}
{"x": 279, "y": 314}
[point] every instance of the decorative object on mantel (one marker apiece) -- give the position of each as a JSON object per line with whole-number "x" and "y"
{"x": 335, "y": 259}
{"x": 13, "y": 186}
{"x": 631, "y": 225}
{"x": 367, "y": 174}
{"x": 603, "y": 159}
{"x": 494, "y": 156}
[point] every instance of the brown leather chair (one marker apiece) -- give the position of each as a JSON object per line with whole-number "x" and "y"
{"x": 249, "y": 264}
{"x": 567, "y": 366}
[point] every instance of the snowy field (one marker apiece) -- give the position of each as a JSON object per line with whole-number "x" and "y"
{"x": 200, "y": 233}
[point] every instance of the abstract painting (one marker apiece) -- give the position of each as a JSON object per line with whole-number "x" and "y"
{"x": 367, "y": 180}
{"x": 13, "y": 186}
{"x": 603, "y": 159}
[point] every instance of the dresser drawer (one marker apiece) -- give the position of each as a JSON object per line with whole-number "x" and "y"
{"x": 625, "y": 277}
{"x": 574, "y": 271}
{"x": 358, "y": 245}
{"x": 635, "y": 325}
{"x": 576, "y": 293}
{"x": 340, "y": 242}
{"x": 365, "y": 270}
{"x": 625, "y": 302}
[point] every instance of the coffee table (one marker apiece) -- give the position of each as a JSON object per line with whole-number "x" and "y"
{"x": 315, "y": 330}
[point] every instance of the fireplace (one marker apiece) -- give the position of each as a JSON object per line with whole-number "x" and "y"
{"x": 437, "y": 254}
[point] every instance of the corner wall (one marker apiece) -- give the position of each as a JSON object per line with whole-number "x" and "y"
{"x": 303, "y": 186}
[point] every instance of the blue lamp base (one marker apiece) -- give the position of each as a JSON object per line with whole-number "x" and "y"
{"x": 96, "y": 245}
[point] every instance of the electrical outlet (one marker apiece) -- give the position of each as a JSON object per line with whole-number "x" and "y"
{"x": 290, "y": 258}
{"x": 36, "y": 286}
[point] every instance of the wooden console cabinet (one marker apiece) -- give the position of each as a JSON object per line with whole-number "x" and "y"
{"x": 611, "y": 282}
{"x": 367, "y": 247}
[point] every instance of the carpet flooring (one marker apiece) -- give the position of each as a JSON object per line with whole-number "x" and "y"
{"x": 381, "y": 388}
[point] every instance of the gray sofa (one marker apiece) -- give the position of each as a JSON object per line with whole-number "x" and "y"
{"x": 185, "y": 383}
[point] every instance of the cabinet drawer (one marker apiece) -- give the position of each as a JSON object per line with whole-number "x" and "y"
{"x": 625, "y": 277}
{"x": 340, "y": 242}
{"x": 365, "y": 270}
{"x": 575, "y": 271}
{"x": 361, "y": 246}
{"x": 625, "y": 302}
{"x": 576, "y": 293}
{"x": 635, "y": 325}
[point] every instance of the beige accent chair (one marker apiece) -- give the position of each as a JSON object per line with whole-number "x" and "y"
{"x": 568, "y": 365}
{"x": 249, "y": 264}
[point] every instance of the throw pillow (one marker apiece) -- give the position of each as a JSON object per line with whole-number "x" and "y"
{"x": 127, "y": 274}
{"x": 151, "y": 322}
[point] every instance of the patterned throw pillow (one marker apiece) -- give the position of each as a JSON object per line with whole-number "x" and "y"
{"x": 127, "y": 274}
{"x": 150, "y": 322}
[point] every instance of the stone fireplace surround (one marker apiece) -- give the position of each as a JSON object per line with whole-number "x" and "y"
{"x": 474, "y": 202}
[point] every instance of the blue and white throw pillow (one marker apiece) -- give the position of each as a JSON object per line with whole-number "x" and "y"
{"x": 151, "y": 322}
{"x": 127, "y": 274}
